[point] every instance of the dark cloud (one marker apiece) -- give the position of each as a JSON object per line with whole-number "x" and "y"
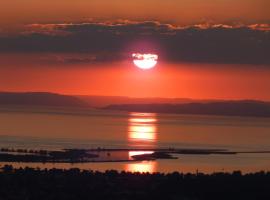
{"x": 110, "y": 41}
{"x": 82, "y": 58}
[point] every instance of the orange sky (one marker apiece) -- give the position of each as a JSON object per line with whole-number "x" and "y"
{"x": 199, "y": 81}
{"x": 176, "y": 11}
{"x": 27, "y": 73}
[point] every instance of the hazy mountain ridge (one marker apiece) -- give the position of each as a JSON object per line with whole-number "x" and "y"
{"x": 102, "y": 101}
{"x": 227, "y": 108}
{"x": 251, "y": 108}
{"x": 40, "y": 99}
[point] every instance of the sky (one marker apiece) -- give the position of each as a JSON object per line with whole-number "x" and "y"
{"x": 178, "y": 11}
{"x": 208, "y": 49}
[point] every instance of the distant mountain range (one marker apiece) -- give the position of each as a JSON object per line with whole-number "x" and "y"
{"x": 226, "y": 108}
{"x": 40, "y": 99}
{"x": 101, "y": 101}
{"x": 157, "y": 105}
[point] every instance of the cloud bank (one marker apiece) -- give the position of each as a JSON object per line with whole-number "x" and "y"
{"x": 114, "y": 41}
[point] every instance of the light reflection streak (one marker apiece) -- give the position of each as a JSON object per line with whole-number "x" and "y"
{"x": 142, "y": 120}
{"x": 142, "y": 167}
{"x": 135, "y": 153}
{"x": 142, "y": 131}
{"x": 142, "y": 127}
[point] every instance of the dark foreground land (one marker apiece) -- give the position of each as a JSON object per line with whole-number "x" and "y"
{"x": 33, "y": 184}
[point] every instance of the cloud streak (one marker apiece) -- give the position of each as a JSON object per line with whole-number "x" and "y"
{"x": 112, "y": 41}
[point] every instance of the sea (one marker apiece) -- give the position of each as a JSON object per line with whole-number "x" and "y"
{"x": 56, "y": 129}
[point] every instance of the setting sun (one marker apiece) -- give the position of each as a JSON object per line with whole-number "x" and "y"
{"x": 145, "y": 61}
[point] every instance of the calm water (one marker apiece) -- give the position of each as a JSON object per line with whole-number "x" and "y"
{"x": 60, "y": 129}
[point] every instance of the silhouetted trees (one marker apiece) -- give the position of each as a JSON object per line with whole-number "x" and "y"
{"x": 29, "y": 183}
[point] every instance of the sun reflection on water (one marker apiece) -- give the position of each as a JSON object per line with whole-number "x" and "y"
{"x": 142, "y": 127}
{"x": 142, "y": 167}
{"x": 135, "y": 153}
{"x": 142, "y": 131}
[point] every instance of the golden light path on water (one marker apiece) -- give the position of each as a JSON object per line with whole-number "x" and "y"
{"x": 142, "y": 167}
{"x": 142, "y": 132}
{"x": 142, "y": 128}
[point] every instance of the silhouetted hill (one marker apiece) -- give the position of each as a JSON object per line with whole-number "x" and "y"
{"x": 40, "y": 99}
{"x": 101, "y": 101}
{"x": 226, "y": 108}
{"x": 157, "y": 105}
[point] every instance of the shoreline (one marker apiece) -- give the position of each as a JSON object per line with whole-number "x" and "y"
{"x": 106, "y": 155}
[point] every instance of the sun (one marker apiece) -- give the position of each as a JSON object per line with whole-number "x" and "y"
{"x": 145, "y": 61}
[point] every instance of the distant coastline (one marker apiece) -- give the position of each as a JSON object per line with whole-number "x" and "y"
{"x": 225, "y": 108}
{"x": 68, "y": 104}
